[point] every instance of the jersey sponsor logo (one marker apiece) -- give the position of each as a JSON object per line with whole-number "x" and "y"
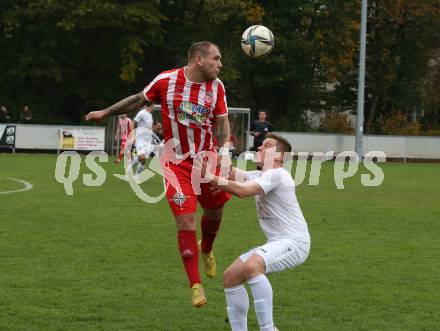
{"x": 179, "y": 198}
{"x": 189, "y": 110}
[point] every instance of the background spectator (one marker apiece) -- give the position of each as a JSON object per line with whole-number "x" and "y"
{"x": 259, "y": 129}
{"x": 4, "y": 115}
{"x": 26, "y": 115}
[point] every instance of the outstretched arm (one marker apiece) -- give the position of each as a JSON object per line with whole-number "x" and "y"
{"x": 241, "y": 190}
{"x": 127, "y": 105}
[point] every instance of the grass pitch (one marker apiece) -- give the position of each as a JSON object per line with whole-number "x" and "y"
{"x": 104, "y": 260}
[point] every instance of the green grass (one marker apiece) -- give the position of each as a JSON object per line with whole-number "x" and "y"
{"x": 104, "y": 260}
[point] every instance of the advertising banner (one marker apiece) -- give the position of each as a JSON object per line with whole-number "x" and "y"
{"x": 82, "y": 139}
{"x": 7, "y": 135}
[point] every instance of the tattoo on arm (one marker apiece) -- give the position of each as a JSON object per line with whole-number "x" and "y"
{"x": 130, "y": 104}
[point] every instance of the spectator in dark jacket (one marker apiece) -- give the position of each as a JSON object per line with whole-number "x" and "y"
{"x": 259, "y": 128}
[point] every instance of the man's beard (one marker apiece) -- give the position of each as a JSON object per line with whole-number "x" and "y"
{"x": 207, "y": 76}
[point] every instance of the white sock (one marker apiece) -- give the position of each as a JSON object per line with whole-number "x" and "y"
{"x": 262, "y": 293}
{"x": 139, "y": 168}
{"x": 237, "y": 302}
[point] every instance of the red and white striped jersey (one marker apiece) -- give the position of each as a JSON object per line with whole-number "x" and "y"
{"x": 124, "y": 127}
{"x": 188, "y": 109}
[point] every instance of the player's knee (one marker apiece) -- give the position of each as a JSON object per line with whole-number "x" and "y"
{"x": 213, "y": 214}
{"x": 227, "y": 279}
{"x": 252, "y": 269}
{"x": 142, "y": 159}
{"x": 186, "y": 223}
{"x": 231, "y": 279}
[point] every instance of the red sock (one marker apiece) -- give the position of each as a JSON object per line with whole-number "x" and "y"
{"x": 209, "y": 231}
{"x": 190, "y": 255}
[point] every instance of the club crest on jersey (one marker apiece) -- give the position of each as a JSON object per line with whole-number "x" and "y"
{"x": 179, "y": 198}
{"x": 209, "y": 97}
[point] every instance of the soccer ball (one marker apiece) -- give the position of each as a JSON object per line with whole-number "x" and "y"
{"x": 257, "y": 41}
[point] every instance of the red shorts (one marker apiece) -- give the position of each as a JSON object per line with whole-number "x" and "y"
{"x": 182, "y": 197}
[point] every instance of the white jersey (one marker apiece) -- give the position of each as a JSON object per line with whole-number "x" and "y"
{"x": 144, "y": 123}
{"x": 278, "y": 210}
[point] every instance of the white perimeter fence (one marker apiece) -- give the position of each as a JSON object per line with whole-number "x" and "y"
{"x": 403, "y": 147}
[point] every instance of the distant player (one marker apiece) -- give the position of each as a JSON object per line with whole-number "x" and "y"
{"x": 143, "y": 123}
{"x": 122, "y": 132}
{"x": 281, "y": 219}
{"x": 194, "y": 110}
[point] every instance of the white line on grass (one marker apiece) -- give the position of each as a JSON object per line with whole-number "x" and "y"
{"x": 27, "y": 186}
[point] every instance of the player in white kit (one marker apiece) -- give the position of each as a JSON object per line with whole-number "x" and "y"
{"x": 143, "y": 122}
{"x": 280, "y": 218}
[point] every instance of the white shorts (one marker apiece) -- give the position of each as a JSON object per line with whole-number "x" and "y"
{"x": 279, "y": 255}
{"x": 144, "y": 147}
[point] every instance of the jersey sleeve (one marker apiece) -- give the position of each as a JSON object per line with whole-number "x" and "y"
{"x": 138, "y": 117}
{"x": 251, "y": 175}
{"x": 221, "y": 106}
{"x": 151, "y": 91}
{"x": 269, "y": 180}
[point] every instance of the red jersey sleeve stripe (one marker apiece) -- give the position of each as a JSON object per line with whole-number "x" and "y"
{"x": 152, "y": 91}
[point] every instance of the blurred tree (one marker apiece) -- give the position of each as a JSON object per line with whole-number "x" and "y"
{"x": 58, "y": 51}
{"x": 75, "y": 56}
{"x": 403, "y": 36}
{"x": 397, "y": 124}
{"x": 335, "y": 122}
{"x": 315, "y": 49}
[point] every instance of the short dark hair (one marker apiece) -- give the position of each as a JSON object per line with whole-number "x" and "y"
{"x": 200, "y": 47}
{"x": 282, "y": 144}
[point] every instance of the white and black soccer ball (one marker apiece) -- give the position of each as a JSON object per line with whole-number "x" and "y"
{"x": 257, "y": 41}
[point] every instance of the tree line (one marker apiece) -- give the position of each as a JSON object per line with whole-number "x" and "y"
{"x": 65, "y": 58}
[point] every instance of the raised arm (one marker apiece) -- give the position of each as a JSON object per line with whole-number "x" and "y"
{"x": 127, "y": 105}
